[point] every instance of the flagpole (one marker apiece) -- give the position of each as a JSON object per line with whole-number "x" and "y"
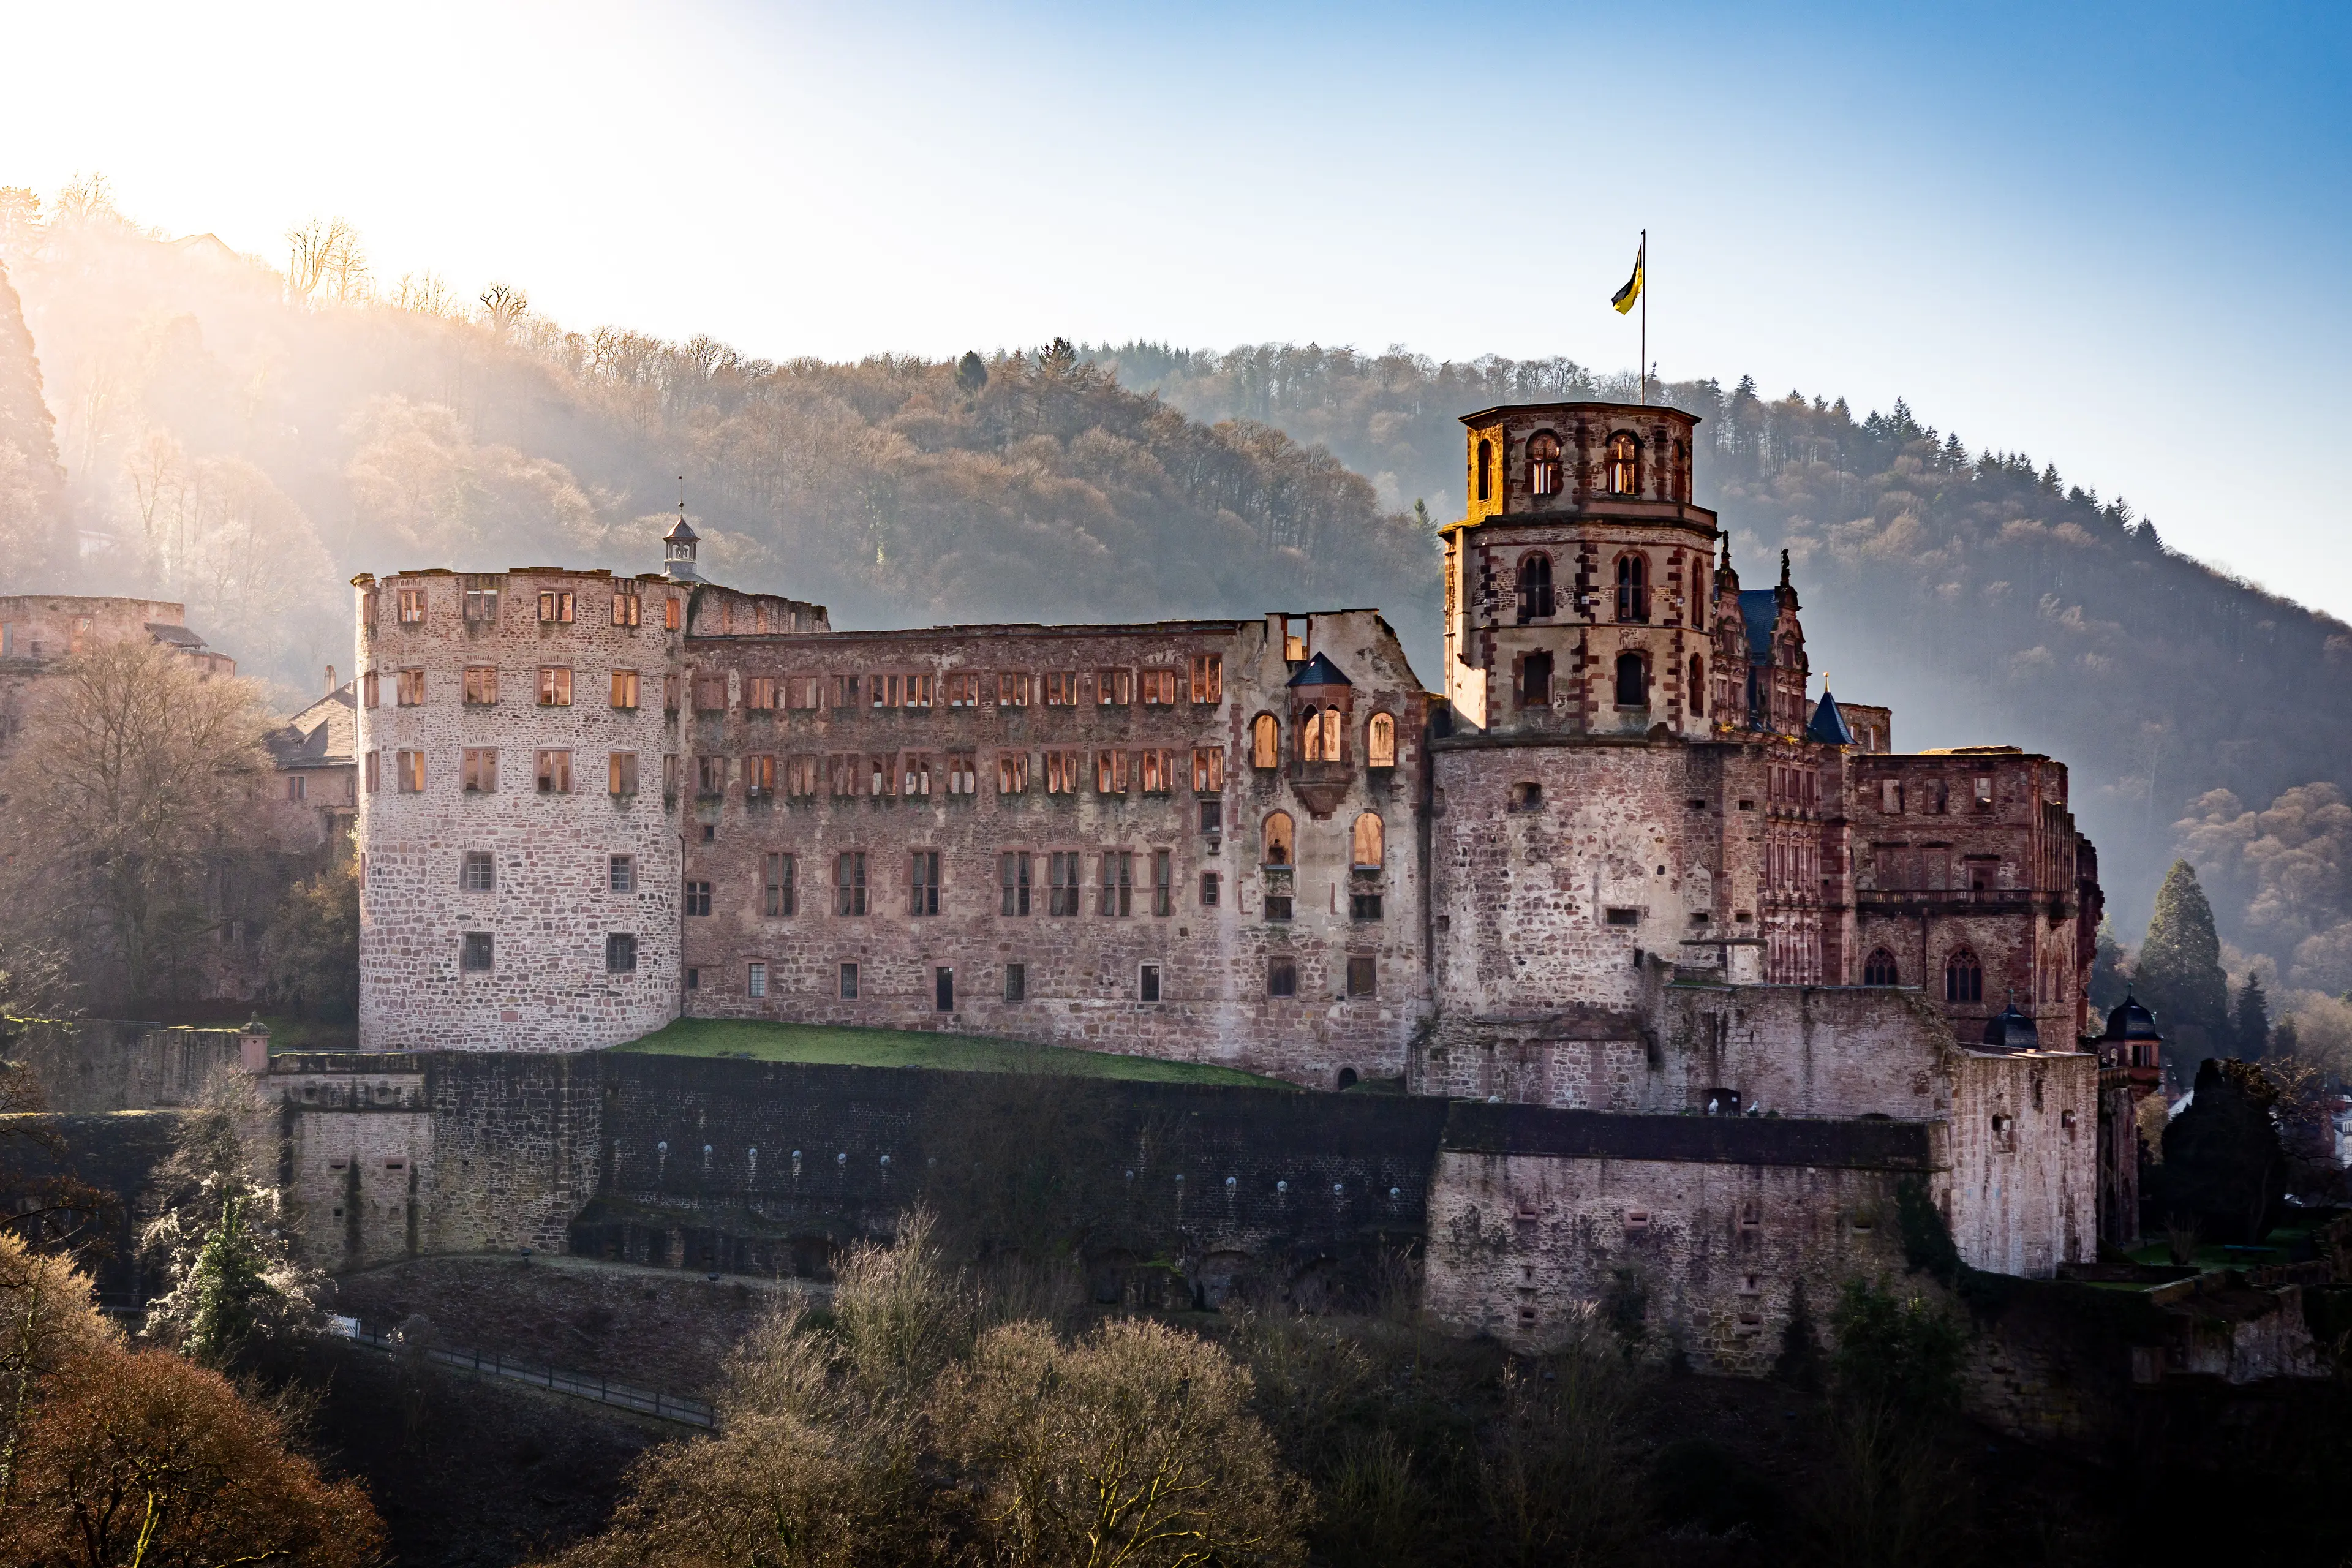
{"x": 1644, "y": 368}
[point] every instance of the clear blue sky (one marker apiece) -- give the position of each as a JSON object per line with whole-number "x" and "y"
{"x": 2117, "y": 236}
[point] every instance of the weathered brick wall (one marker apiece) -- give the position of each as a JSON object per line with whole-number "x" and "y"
{"x": 1684, "y": 1235}
{"x": 1082, "y": 971}
{"x": 2024, "y": 1160}
{"x": 92, "y": 1065}
{"x": 552, "y": 905}
{"x": 1797, "y": 1050}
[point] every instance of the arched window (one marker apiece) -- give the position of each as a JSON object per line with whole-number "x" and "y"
{"x": 1318, "y": 736}
{"x": 1265, "y": 741}
{"x": 1534, "y": 680}
{"x": 1633, "y": 586}
{"x": 1370, "y": 842}
{"x": 1633, "y": 680}
{"x": 1380, "y": 742}
{"x": 1624, "y": 464}
{"x": 1963, "y": 977}
{"x": 1698, "y": 687}
{"x": 1277, "y": 839}
{"x": 1486, "y": 471}
{"x": 1535, "y": 585}
{"x": 1879, "y": 969}
{"x": 1543, "y": 464}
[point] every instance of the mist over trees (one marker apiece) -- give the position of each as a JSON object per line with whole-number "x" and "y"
{"x": 1977, "y": 593}
{"x": 245, "y": 433}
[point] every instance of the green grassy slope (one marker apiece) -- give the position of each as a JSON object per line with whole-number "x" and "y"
{"x": 829, "y": 1044}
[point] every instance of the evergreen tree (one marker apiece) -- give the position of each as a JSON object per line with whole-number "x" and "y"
{"x": 2178, "y": 975}
{"x": 228, "y": 1288}
{"x": 2108, "y": 984}
{"x": 2251, "y": 1022}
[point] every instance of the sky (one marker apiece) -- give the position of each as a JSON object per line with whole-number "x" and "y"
{"x": 2115, "y": 238}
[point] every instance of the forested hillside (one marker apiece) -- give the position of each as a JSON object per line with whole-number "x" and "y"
{"x": 245, "y": 434}
{"x": 1981, "y": 594}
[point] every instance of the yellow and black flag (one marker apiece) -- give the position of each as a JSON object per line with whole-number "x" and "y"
{"x": 1623, "y": 298}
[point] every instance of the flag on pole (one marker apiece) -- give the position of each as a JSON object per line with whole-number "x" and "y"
{"x": 1623, "y": 298}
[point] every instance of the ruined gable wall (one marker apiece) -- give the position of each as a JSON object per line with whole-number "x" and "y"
{"x": 2024, "y": 1187}
{"x": 552, "y": 908}
{"x": 1082, "y": 971}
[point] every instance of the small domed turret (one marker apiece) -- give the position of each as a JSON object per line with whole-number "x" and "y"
{"x": 678, "y": 552}
{"x": 2010, "y": 1030}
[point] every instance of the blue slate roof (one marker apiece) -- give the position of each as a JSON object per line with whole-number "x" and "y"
{"x": 1320, "y": 671}
{"x": 1758, "y": 608}
{"x": 1829, "y": 726}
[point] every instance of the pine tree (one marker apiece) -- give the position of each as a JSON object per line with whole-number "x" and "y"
{"x": 229, "y": 1285}
{"x": 2108, "y": 984}
{"x": 2178, "y": 975}
{"x": 2252, "y": 1023}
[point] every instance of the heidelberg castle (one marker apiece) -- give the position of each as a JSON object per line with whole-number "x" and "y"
{"x": 592, "y": 804}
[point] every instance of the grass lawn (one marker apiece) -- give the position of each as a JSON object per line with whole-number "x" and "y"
{"x": 841, "y": 1047}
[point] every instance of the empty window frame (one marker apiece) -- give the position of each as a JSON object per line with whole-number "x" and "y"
{"x": 1534, "y": 680}
{"x": 1265, "y": 741}
{"x": 710, "y": 777}
{"x": 698, "y": 898}
{"x": 628, "y": 610}
{"x": 1633, "y": 684}
{"x": 555, "y": 772}
{"x": 481, "y": 685}
{"x": 841, "y": 774}
{"x": 1110, "y": 773}
{"x": 481, "y": 598}
{"x": 1368, "y": 842}
{"x": 1318, "y": 735}
{"x": 1208, "y": 770}
{"x": 1154, "y": 775}
{"x": 555, "y": 606}
{"x": 1064, "y": 770}
{"x": 477, "y": 872}
{"x": 758, "y": 776}
{"x": 673, "y": 613}
{"x": 476, "y": 953}
{"x": 1011, "y": 772}
{"x": 1633, "y": 588}
{"x": 621, "y": 873}
{"x": 1114, "y": 688}
{"x": 963, "y": 773}
{"x": 915, "y": 774}
{"x": 1380, "y": 742}
{"x": 1115, "y": 893}
{"x": 368, "y": 689}
{"x": 962, "y": 689}
{"x": 411, "y": 772}
{"x": 1062, "y": 869}
{"x": 923, "y": 882}
{"x": 845, "y": 693}
{"x": 1157, "y": 687}
{"x": 478, "y": 769}
{"x": 780, "y": 891}
{"x": 1624, "y": 464}
{"x": 1963, "y": 978}
{"x": 759, "y": 694}
{"x": 849, "y": 883}
{"x": 1208, "y": 678}
{"x": 554, "y": 686}
{"x": 621, "y": 773}
{"x": 803, "y": 693}
{"x": 368, "y": 770}
{"x": 1011, "y": 689}
{"x": 1275, "y": 839}
{"x": 412, "y": 607}
{"x": 1012, "y": 883}
{"x": 410, "y": 689}
{"x": 1062, "y": 689}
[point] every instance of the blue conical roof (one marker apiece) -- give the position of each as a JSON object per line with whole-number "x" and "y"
{"x": 1829, "y": 725}
{"x": 1320, "y": 671}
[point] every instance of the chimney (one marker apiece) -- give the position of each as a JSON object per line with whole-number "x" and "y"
{"x": 331, "y": 680}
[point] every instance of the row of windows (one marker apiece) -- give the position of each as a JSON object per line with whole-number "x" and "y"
{"x": 1963, "y": 975}
{"x": 480, "y": 686}
{"x": 1633, "y": 574}
{"x": 477, "y": 954}
{"x": 1321, "y": 737}
{"x": 1619, "y": 471}
{"x": 1629, "y": 689}
{"x": 1930, "y": 796}
{"x": 557, "y": 606}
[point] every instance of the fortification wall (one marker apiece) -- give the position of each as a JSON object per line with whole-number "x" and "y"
{"x": 2024, "y": 1158}
{"x": 1800, "y": 1050}
{"x": 1696, "y": 1236}
{"x": 88, "y": 1066}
